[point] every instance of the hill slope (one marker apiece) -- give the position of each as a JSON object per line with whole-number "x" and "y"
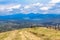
{"x": 31, "y": 34}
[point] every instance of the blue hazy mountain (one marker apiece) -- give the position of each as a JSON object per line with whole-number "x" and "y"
{"x": 30, "y": 16}
{"x": 33, "y": 17}
{"x": 28, "y": 20}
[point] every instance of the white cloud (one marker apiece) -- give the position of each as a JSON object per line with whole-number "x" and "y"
{"x": 37, "y": 4}
{"x": 35, "y": 8}
{"x": 14, "y": 6}
{"x": 44, "y": 8}
{"x": 27, "y": 6}
{"x": 33, "y": 5}
{"x": 54, "y": 1}
{"x": 55, "y": 10}
{"x": 49, "y": 5}
{"x": 23, "y": 9}
{"x": 9, "y": 7}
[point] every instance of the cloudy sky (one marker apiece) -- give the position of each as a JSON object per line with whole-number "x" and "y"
{"x": 8, "y": 7}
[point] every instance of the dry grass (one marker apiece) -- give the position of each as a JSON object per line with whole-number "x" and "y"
{"x": 39, "y": 33}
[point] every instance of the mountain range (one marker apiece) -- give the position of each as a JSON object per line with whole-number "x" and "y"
{"x": 32, "y": 17}
{"x": 16, "y": 21}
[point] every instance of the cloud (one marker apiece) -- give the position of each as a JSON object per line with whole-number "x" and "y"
{"x": 32, "y": 8}
{"x": 54, "y": 1}
{"x": 55, "y": 9}
{"x": 13, "y": 7}
{"x": 9, "y": 7}
{"x": 50, "y": 5}
{"x": 29, "y": 8}
{"x": 37, "y": 4}
{"x": 44, "y": 8}
{"x": 48, "y": 8}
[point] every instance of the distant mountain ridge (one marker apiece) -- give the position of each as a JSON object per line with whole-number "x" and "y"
{"x": 16, "y": 21}
{"x": 33, "y": 17}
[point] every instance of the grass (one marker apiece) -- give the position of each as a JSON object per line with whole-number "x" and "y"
{"x": 40, "y": 32}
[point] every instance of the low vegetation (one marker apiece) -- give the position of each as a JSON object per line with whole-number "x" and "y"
{"x": 37, "y": 33}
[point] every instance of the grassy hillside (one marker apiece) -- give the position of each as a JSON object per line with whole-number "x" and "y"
{"x": 39, "y": 33}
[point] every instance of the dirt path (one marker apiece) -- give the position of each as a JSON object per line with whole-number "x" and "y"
{"x": 31, "y": 36}
{"x": 23, "y": 35}
{"x": 11, "y": 36}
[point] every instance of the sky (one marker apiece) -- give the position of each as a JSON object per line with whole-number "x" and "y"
{"x": 8, "y": 7}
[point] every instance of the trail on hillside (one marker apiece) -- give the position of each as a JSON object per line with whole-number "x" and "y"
{"x": 23, "y": 35}
{"x": 31, "y": 36}
{"x": 34, "y": 34}
{"x": 11, "y": 36}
